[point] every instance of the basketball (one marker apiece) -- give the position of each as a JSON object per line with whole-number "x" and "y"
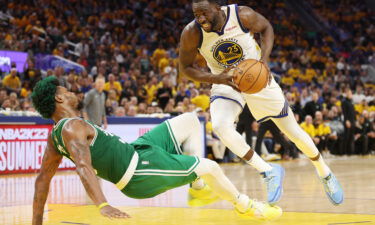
{"x": 251, "y": 76}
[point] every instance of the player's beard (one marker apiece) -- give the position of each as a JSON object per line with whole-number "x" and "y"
{"x": 214, "y": 24}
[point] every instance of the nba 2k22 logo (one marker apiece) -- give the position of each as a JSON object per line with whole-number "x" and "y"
{"x": 227, "y": 52}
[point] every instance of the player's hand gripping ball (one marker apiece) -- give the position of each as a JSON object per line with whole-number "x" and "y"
{"x": 251, "y": 76}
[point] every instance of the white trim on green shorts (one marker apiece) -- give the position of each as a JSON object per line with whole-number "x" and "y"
{"x": 129, "y": 172}
{"x": 176, "y": 145}
{"x": 158, "y": 172}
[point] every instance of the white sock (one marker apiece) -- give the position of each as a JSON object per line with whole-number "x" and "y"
{"x": 321, "y": 167}
{"x": 242, "y": 203}
{"x": 259, "y": 164}
{"x": 198, "y": 184}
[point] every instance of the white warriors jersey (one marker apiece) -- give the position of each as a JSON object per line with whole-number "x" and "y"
{"x": 231, "y": 45}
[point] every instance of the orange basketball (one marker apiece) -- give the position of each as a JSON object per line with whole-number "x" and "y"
{"x": 251, "y": 76}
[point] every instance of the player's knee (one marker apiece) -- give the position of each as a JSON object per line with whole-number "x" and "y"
{"x": 221, "y": 128}
{"x": 193, "y": 118}
{"x": 210, "y": 165}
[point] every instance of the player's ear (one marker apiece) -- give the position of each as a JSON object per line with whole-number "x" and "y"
{"x": 59, "y": 98}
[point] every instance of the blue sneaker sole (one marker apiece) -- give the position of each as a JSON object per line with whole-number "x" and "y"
{"x": 332, "y": 201}
{"x": 280, "y": 190}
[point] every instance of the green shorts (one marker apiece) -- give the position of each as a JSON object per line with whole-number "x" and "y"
{"x": 160, "y": 167}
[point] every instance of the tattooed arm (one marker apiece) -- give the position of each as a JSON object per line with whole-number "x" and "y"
{"x": 50, "y": 163}
{"x": 76, "y": 135}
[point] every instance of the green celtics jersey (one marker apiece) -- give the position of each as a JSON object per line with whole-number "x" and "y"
{"x": 110, "y": 156}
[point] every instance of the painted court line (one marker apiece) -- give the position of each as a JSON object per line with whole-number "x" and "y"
{"x": 350, "y": 222}
{"x": 67, "y": 222}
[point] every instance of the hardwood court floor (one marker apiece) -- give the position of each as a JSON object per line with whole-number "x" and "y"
{"x": 303, "y": 202}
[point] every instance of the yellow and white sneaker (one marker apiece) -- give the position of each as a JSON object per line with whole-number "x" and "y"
{"x": 260, "y": 211}
{"x": 202, "y": 197}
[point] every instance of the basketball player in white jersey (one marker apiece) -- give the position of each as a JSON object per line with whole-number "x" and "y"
{"x": 224, "y": 37}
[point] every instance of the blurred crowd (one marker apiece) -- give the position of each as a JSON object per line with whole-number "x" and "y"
{"x": 132, "y": 46}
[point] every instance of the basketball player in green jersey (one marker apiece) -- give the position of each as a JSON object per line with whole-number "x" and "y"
{"x": 145, "y": 168}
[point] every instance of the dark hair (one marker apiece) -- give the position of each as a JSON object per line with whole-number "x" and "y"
{"x": 43, "y": 96}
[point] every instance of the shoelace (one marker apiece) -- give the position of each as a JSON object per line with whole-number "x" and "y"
{"x": 331, "y": 184}
{"x": 270, "y": 184}
{"x": 258, "y": 207}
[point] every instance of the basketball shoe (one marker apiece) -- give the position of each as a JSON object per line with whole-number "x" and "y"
{"x": 259, "y": 211}
{"x": 201, "y": 197}
{"x": 333, "y": 189}
{"x": 274, "y": 181}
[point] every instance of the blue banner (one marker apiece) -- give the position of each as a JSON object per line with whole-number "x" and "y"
{"x": 9, "y": 57}
{"x": 46, "y": 62}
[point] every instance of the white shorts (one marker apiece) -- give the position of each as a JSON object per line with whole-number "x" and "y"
{"x": 266, "y": 104}
{"x": 226, "y": 92}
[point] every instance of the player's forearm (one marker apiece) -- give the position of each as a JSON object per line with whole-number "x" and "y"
{"x": 40, "y": 198}
{"x": 267, "y": 39}
{"x": 91, "y": 184}
{"x": 198, "y": 75}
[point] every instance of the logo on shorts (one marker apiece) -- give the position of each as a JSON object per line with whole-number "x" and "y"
{"x": 227, "y": 52}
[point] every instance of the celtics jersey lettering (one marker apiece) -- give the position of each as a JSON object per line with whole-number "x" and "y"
{"x": 230, "y": 46}
{"x": 110, "y": 156}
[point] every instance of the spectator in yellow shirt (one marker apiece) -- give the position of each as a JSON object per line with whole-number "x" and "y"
{"x": 26, "y": 90}
{"x": 287, "y": 80}
{"x": 152, "y": 86}
{"x": 163, "y": 62}
{"x": 294, "y": 71}
{"x": 12, "y": 82}
{"x": 310, "y": 72}
{"x": 113, "y": 84}
{"x": 202, "y": 100}
{"x": 158, "y": 54}
{"x": 309, "y": 128}
{"x": 322, "y": 131}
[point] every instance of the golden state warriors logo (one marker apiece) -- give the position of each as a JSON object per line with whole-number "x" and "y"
{"x": 227, "y": 53}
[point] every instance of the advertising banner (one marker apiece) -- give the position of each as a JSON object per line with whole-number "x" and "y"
{"x": 22, "y": 148}
{"x": 9, "y": 57}
{"x": 46, "y": 62}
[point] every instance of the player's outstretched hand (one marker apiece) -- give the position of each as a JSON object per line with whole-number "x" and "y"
{"x": 226, "y": 77}
{"x": 113, "y": 213}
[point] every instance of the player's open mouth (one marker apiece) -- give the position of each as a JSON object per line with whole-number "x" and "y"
{"x": 206, "y": 25}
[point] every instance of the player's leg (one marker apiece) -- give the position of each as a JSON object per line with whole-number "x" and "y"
{"x": 302, "y": 140}
{"x": 213, "y": 175}
{"x": 164, "y": 171}
{"x": 223, "y": 114}
{"x": 187, "y": 132}
{"x": 183, "y": 130}
{"x": 181, "y": 134}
